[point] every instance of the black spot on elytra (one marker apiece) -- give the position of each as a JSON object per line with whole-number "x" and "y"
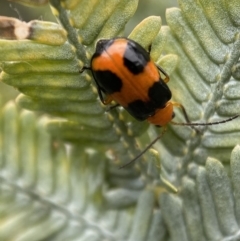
{"x": 140, "y": 110}
{"x": 108, "y": 81}
{"x": 135, "y": 57}
{"x": 159, "y": 94}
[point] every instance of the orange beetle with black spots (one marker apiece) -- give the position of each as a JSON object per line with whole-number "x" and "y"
{"x": 124, "y": 72}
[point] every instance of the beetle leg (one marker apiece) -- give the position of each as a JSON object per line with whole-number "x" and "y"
{"x": 108, "y": 98}
{"x": 105, "y": 101}
{"x": 112, "y": 107}
{"x": 176, "y": 104}
{"x": 166, "y": 79}
{"x": 149, "y": 48}
{"x": 84, "y": 68}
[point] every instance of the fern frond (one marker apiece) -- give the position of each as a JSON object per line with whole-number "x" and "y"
{"x": 88, "y": 197}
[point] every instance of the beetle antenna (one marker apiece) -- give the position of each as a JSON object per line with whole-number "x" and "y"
{"x": 205, "y": 124}
{"x": 146, "y": 148}
{"x": 179, "y": 124}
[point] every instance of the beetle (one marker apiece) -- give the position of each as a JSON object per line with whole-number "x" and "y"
{"x": 124, "y": 73}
